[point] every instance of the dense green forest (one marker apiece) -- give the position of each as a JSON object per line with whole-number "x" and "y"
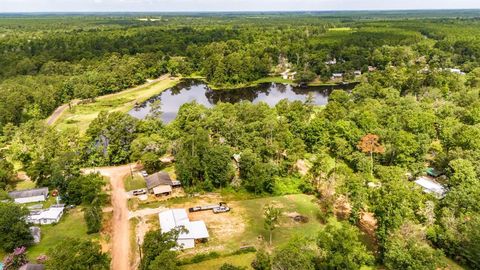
{"x": 410, "y": 112}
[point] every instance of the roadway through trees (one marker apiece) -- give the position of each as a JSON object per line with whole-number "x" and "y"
{"x": 120, "y": 225}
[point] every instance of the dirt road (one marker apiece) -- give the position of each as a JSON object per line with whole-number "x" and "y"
{"x": 120, "y": 239}
{"x": 59, "y": 111}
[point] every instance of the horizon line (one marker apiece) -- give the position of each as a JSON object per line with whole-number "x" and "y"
{"x": 239, "y": 11}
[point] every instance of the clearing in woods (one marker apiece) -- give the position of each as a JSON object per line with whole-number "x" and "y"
{"x": 82, "y": 115}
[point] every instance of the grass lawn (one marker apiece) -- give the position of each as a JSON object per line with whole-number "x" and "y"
{"x": 301, "y": 204}
{"x": 244, "y": 224}
{"x": 242, "y": 260}
{"x": 253, "y": 84}
{"x": 340, "y": 29}
{"x": 71, "y": 225}
{"x": 137, "y": 182}
{"x": 81, "y": 115}
{"x": 25, "y": 184}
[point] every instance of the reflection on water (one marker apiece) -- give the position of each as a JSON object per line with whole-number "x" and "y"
{"x": 270, "y": 93}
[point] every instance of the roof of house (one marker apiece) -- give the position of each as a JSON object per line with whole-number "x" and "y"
{"x": 434, "y": 172}
{"x": 162, "y": 189}
{"x": 28, "y": 193}
{"x": 337, "y": 74}
{"x": 31, "y": 266}
{"x": 50, "y": 213}
{"x": 176, "y": 218}
{"x": 157, "y": 179}
{"x": 430, "y": 186}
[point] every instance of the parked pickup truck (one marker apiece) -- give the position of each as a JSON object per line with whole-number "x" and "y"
{"x": 139, "y": 192}
{"x": 216, "y": 208}
{"x": 221, "y": 209}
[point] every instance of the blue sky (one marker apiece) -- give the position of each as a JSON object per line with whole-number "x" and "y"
{"x": 228, "y": 5}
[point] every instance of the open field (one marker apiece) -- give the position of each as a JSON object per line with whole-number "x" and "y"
{"x": 71, "y": 225}
{"x": 137, "y": 182}
{"x": 243, "y": 225}
{"x": 242, "y": 260}
{"x": 81, "y": 115}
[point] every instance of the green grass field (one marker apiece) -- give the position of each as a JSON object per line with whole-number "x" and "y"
{"x": 244, "y": 226}
{"x": 25, "y": 184}
{"x": 81, "y": 115}
{"x": 242, "y": 260}
{"x": 137, "y": 182}
{"x": 71, "y": 225}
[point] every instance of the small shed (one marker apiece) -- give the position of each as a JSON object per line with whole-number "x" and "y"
{"x": 434, "y": 172}
{"x": 32, "y": 266}
{"x": 287, "y": 75}
{"x": 429, "y": 185}
{"x": 337, "y": 76}
{"x": 159, "y": 183}
{"x": 29, "y": 195}
{"x": 36, "y": 233}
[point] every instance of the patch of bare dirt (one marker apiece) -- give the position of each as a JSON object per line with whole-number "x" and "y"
{"x": 302, "y": 167}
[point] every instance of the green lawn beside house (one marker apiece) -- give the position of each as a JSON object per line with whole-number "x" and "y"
{"x": 72, "y": 225}
{"x": 135, "y": 182}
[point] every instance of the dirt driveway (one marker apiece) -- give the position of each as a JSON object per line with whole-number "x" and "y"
{"x": 120, "y": 224}
{"x": 59, "y": 111}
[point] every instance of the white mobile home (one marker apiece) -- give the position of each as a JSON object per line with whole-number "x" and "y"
{"x": 178, "y": 218}
{"x": 431, "y": 186}
{"x": 48, "y": 216}
{"x": 29, "y": 195}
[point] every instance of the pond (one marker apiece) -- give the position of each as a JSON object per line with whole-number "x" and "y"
{"x": 192, "y": 90}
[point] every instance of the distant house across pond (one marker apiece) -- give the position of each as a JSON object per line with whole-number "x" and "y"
{"x": 337, "y": 76}
{"x": 287, "y": 75}
{"x": 196, "y": 231}
{"x": 160, "y": 183}
{"x": 29, "y": 195}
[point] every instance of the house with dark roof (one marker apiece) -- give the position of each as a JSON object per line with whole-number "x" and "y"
{"x": 159, "y": 183}
{"x": 29, "y": 195}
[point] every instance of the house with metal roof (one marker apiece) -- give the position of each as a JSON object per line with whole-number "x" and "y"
{"x": 195, "y": 231}
{"x": 429, "y": 185}
{"x": 159, "y": 183}
{"x": 29, "y": 195}
{"x": 47, "y": 216}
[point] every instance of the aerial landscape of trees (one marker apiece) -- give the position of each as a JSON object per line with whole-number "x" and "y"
{"x": 409, "y": 111}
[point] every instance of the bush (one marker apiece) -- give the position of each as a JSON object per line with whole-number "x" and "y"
{"x": 93, "y": 217}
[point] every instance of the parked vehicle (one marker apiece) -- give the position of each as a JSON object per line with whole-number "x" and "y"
{"x": 144, "y": 173}
{"x": 216, "y": 208}
{"x": 221, "y": 209}
{"x": 139, "y": 192}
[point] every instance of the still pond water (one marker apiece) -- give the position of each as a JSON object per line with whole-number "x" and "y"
{"x": 191, "y": 90}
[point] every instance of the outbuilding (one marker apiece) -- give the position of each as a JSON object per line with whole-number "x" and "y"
{"x": 159, "y": 183}
{"x": 337, "y": 76}
{"x": 29, "y": 195}
{"x": 36, "y": 234}
{"x": 32, "y": 266}
{"x": 195, "y": 231}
